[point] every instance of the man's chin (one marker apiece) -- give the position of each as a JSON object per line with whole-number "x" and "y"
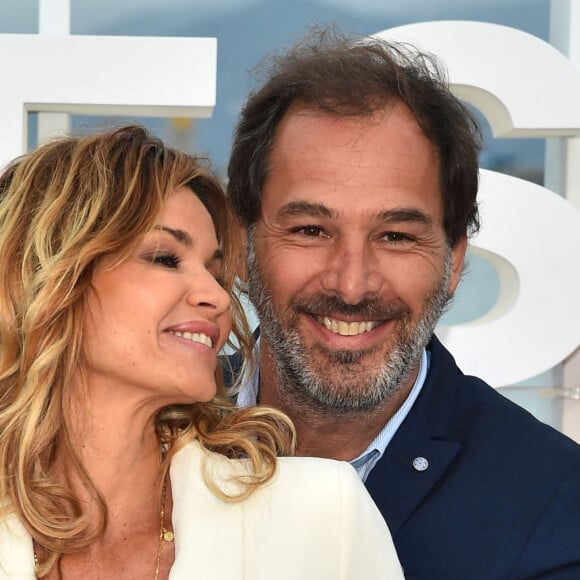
{"x": 346, "y": 366}
{"x": 365, "y": 359}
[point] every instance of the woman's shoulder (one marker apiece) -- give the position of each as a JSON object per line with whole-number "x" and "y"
{"x": 313, "y": 519}
{"x": 312, "y": 473}
{"x": 295, "y": 471}
{"x": 323, "y": 482}
{"x": 325, "y": 513}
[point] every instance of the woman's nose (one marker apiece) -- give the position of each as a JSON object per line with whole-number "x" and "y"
{"x": 208, "y": 293}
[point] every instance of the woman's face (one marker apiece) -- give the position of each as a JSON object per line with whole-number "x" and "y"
{"x": 157, "y": 321}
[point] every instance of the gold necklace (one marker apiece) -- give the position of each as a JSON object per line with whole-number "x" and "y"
{"x": 165, "y": 534}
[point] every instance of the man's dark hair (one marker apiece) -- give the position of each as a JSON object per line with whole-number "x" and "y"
{"x": 342, "y": 76}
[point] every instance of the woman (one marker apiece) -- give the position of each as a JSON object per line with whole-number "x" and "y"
{"x": 118, "y": 259}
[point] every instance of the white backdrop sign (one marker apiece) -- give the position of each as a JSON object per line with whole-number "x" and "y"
{"x": 532, "y": 237}
{"x": 100, "y": 75}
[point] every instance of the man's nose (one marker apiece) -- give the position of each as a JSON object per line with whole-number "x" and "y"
{"x": 352, "y": 272}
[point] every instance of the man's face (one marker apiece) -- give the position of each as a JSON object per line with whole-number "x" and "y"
{"x": 349, "y": 264}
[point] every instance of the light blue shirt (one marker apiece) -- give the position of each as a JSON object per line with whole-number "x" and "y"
{"x": 365, "y": 462}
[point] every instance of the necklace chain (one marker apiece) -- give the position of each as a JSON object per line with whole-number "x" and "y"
{"x": 165, "y": 534}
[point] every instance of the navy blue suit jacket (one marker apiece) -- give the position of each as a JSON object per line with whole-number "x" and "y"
{"x": 500, "y": 498}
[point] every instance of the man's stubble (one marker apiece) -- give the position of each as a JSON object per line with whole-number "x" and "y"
{"x": 331, "y": 383}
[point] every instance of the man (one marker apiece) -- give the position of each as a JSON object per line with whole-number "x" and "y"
{"x": 355, "y": 171}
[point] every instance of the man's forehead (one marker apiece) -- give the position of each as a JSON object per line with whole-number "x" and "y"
{"x": 319, "y": 141}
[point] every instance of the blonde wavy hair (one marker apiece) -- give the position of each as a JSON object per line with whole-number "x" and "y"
{"x": 63, "y": 208}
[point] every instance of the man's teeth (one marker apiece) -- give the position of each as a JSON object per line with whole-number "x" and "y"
{"x": 194, "y": 337}
{"x": 348, "y": 328}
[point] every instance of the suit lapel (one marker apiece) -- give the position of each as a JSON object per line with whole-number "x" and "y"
{"x": 396, "y": 484}
{"x": 401, "y": 478}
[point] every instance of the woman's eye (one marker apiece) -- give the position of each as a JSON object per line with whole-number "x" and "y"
{"x": 169, "y": 260}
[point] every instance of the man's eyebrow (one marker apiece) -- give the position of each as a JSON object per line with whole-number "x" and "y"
{"x": 404, "y": 215}
{"x": 305, "y": 208}
{"x": 181, "y": 236}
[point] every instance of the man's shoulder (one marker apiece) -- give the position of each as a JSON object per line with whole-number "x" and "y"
{"x": 490, "y": 415}
{"x": 491, "y": 466}
{"x": 479, "y": 416}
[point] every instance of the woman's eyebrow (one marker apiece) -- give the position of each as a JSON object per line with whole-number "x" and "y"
{"x": 180, "y": 235}
{"x": 185, "y": 239}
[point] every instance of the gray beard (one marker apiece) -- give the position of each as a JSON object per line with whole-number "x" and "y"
{"x": 343, "y": 387}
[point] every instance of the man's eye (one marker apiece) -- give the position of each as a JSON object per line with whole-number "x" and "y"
{"x": 166, "y": 259}
{"x": 310, "y": 231}
{"x": 396, "y": 237}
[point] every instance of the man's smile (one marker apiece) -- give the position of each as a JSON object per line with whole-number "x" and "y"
{"x": 345, "y": 328}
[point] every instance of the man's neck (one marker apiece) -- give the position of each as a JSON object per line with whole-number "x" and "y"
{"x": 321, "y": 434}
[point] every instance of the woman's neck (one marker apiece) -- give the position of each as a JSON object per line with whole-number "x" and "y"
{"x": 116, "y": 442}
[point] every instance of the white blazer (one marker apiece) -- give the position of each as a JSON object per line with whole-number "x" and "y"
{"x": 314, "y": 521}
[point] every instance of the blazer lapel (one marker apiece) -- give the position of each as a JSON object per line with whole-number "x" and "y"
{"x": 410, "y": 467}
{"x": 422, "y": 449}
{"x": 204, "y": 524}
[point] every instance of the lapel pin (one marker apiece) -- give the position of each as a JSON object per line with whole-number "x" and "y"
{"x": 420, "y": 464}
